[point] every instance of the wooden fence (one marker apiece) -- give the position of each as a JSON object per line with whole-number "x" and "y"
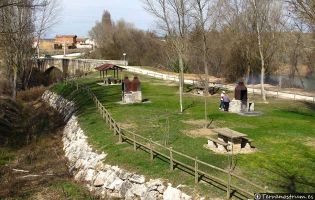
{"x": 195, "y": 167}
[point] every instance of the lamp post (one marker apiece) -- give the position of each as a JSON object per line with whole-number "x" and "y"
{"x": 124, "y": 54}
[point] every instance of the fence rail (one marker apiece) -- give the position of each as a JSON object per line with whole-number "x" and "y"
{"x": 269, "y": 93}
{"x": 155, "y": 149}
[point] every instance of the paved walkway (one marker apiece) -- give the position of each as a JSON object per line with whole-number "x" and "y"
{"x": 277, "y": 94}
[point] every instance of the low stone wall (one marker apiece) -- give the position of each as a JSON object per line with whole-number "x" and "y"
{"x": 88, "y": 166}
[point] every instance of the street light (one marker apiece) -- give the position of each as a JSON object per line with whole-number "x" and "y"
{"x": 124, "y": 54}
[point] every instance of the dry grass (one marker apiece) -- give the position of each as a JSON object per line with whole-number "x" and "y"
{"x": 200, "y": 122}
{"x": 203, "y": 132}
{"x": 31, "y": 94}
{"x": 127, "y": 125}
{"x": 310, "y": 142}
{"x": 46, "y": 161}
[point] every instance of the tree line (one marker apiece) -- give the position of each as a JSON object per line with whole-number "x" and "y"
{"x": 115, "y": 38}
{"x": 233, "y": 39}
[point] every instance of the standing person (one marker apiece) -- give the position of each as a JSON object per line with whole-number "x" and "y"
{"x": 221, "y": 100}
{"x": 226, "y": 102}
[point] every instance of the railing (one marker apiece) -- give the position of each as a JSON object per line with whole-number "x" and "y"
{"x": 196, "y": 167}
{"x": 269, "y": 93}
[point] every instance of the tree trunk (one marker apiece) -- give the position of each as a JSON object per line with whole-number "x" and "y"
{"x": 14, "y": 84}
{"x": 181, "y": 80}
{"x": 248, "y": 65}
{"x": 262, "y": 59}
{"x": 262, "y": 81}
{"x": 206, "y": 90}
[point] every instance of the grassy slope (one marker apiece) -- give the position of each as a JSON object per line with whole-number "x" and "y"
{"x": 284, "y": 161}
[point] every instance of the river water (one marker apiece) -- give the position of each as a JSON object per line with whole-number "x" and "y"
{"x": 309, "y": 83}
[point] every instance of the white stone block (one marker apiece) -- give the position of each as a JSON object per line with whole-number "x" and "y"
{"x": 250, "y": 106}
{"x": 211, "y": 143}
{"x": 235, "y": 106}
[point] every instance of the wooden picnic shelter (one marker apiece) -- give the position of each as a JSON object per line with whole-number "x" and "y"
{"x": 103, "y": 69}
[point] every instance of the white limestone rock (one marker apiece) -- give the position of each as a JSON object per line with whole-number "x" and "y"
{"x": 125, "y": 186}
{"x": 137, "y": 179}
{"x": 174, "y": 194}
{"x": 138, "y": 189}
{"x": 100, "y": 179}
{"x": 116, "y": 184}
{"x": 89, "y": 175}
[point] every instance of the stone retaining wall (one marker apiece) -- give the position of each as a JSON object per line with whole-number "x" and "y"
{"x": 88, "y": 166}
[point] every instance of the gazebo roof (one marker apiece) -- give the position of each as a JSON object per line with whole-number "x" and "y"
{"x": 105, "y": 67}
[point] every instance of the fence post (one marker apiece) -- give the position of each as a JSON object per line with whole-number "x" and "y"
{"x": 103, "y": 114}
{"x": 119, "y": 136}
{"x": 106, "y": 118}
{"x": 228, "y": 191}
{"x": 171, "y": 159}
{"x": 196, "y": 170}
{"x": 110, "y": 124}
{"x": 151, "y": 150}
{"x": 134, "y": 142}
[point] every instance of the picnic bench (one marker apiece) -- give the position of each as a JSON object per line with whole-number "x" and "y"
{"x": 215, "y": 143}
{"x": 229, "y": 139}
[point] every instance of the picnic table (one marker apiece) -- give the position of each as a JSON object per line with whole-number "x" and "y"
{"x": 228, "y": 139}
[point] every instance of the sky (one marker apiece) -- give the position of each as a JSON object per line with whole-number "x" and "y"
{"x": 77, "y": 17}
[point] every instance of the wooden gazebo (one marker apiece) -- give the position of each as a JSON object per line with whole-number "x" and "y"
{"x": 106, "y": 67}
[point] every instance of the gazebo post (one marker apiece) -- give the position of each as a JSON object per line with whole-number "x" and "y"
{"x": 117, "y": 73}
{"x": 114, "y": 72}
{"x": 121, "y": 75}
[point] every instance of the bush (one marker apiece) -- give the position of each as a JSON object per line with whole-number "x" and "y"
{"x": 31, "y": 94}
{"x": 4, "y": 87}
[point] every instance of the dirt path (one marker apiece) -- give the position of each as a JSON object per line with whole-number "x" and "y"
{"x": 271, "y": 91}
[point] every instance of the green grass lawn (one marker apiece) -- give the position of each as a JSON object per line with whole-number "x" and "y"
{"x": 284, "y": 135}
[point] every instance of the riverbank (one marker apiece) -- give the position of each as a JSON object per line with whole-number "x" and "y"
{"x": 32, "y": 161}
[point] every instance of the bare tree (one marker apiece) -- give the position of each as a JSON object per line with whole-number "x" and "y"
{"x": 302, "y": 12}
{"x": 305, "y": 10}
{"x": 259, "y": 20}
{"x": 201, "y": 15}
{"x": 17, "y": 30}
{"x": 173, "y": 19}
{"x": 45, "y": 17}
{"x": 266, "y": 18}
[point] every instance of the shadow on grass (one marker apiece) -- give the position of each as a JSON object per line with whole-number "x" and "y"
{"x": 310, "y": 106}
{"x": 289, "y": 181}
